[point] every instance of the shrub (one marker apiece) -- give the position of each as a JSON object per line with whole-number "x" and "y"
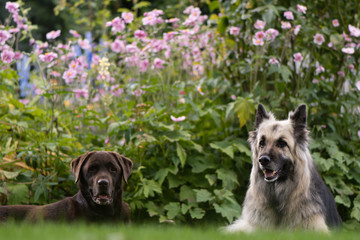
{"x": 177, "y": 96}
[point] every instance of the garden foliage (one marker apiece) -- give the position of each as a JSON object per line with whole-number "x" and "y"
{"x": 176, "y": 92}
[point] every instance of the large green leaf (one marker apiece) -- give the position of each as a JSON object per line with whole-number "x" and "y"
{"x": 173, "y": 209}
{"x": 224, "y": 146}
{"x": 244, "y": 108}
{"x": 203, "y": 195}
{"x": 181, "y": 154}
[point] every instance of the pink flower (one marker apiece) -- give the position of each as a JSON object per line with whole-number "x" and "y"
{"x": 319, "y": 70}
{"x": 341, "y": 73}
{"x": 297, "y": 29}
{"x": 335, "y": 23}
{"x": 259, "y": 24}
{"x": 116, "y": 90}
{"x": 75, "y": 33}
{"x": 298, "y": 57}
{"x": 170, "y": 35}
{"x": 24, "y": 101}
{"x": 257, "y": 41}
{"x": 274, "y": 61}
{"x": 69, "y": 76}
{"x": 84, "y": 44}
{"x": 12, "y": 7}
{"x": 260, "y": 35}
{"x": 179, "y": 119}
{"x": 271, "y": 34}
{"x": 234, "y": 31}
{"x": 358, "y": 85}
{"x": 144, "y": 65}
{"x": 348, "y": 50}
{"x": 117, "y": 25}
{"x": 17, "y": 56}
{"x": 48, "y": 57}
{"x": 81, "y": 93}
{"x": 127, "y": 16}
{"x": 319, "y": 39}
{"x": 198, "y": 88}
{"x": 139, "y": 34}
{"x": 4, "y": 36}
{"x": 107, "y": 140}
{"x": 53, "y": 34}
{"x": 7, "y": 55}
{"x": 172, "y": 20}
{"x": 315, "y": 80}
{"x": 359, "y": 134}
{"x": 285, "y": 25}
{"x": 118, "y": 46}
{"x": 301, "y": 8}
{"x": 289, "y": 15}
{"x": 354, "y": 31}
{"x": 158, "y": 63}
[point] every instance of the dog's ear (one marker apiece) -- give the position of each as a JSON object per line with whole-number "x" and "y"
{"x": 125, "y": 163}
{"x": 77, "y": 163}
{"x": 298, "y": 119}
{"x": 261, "y": 114}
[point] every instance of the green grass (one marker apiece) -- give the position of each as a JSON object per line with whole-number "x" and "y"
{"x": 10, "y": 231}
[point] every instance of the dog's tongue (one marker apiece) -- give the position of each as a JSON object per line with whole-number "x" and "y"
{"x": 269, "y": 173}
{"x": 104, "y": 197}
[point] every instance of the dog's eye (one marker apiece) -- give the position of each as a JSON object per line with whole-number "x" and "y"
{"x": 112, "y": 169}
{"x": 262, "y": 143}
{"x": 281, "y": 143}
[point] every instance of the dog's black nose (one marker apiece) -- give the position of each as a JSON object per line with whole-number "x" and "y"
{"x": 103, "y": 182}
{"x": 264, "y": 160}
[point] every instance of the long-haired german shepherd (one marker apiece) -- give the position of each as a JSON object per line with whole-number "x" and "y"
{"x": 286, "y": 191}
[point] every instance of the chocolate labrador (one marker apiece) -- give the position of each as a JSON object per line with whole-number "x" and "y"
{"x": 100, "y": 176}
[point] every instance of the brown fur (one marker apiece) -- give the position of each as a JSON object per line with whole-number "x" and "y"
{"x": 285, "y": 189}
{"x": 100, "y": 176}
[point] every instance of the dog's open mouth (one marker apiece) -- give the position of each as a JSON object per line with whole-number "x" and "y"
{"x": 103, "y": 199}
{"x": 270, "y": 175}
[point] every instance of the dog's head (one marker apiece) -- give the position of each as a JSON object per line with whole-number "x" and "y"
{"x": 277, "y": 143}
{"x": 100, "y": 175}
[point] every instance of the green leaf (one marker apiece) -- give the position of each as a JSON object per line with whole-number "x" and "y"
{"x": 229, "y": 210}
{"x": 211, "y": 178}
{"x": 141, "y": 4}
{"x": 197, "y": 213}
{"x": 161, "y": 174}
{"x": 228, "y": 177}
{"x": 242, "y": 146}
{"x": 19, "y": 194}
{"x": 186, "y": 193}
{"x": 181, "y": 154}
{"x": 224, "y": 146}
{"x": 223, "y": 23}
{"x": 285, "y": 73}
{"x": 150, "y": 187}
{"x": 203, "y": 195}
{"x": 174, "y": 181}
{"x": 355, "y": 213}
{"x": 213, "y": 5}
{"x": 173, "y": 208}
{"x": 344, "y": 200}
{"x": 243, "y": 108}
{"x": 10, "y": 175}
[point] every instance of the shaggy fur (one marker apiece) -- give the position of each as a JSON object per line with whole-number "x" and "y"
{"x": 286, "y": 191}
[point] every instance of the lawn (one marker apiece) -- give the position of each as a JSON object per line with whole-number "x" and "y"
{"x": 148, "y": 232}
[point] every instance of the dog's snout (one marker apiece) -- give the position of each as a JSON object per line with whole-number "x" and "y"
{"x": 103, "y": 182}
{"x": 264, "y": 160}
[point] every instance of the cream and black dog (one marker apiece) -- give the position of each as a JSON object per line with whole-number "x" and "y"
{"x": 286, "y": 191}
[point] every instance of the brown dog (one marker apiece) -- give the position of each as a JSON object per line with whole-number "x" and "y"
{"x": 99, "y": 175}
